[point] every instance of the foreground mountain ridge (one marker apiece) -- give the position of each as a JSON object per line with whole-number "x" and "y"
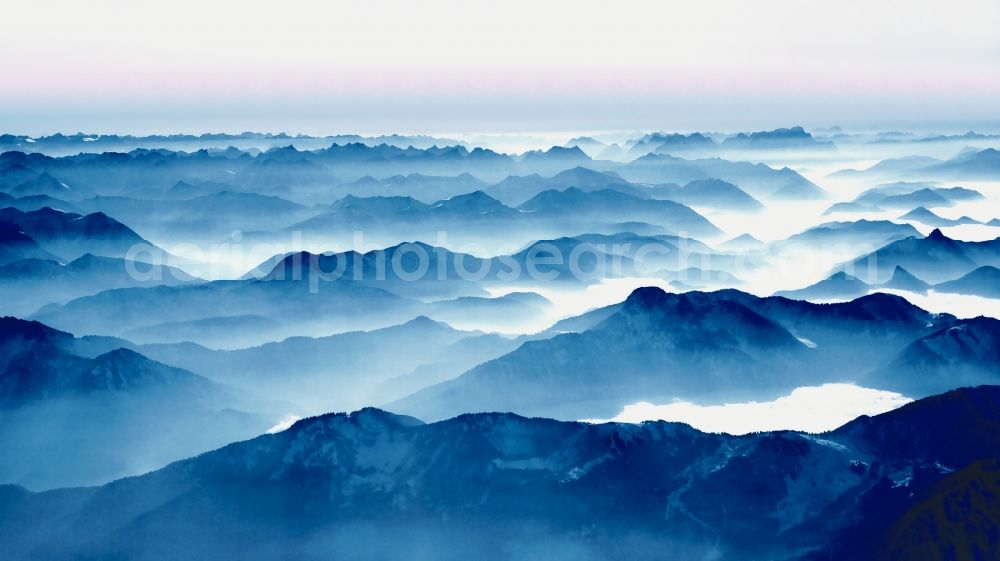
{"x": 480, "y": 481}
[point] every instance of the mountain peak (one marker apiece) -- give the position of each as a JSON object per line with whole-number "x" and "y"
{"x": 938, "y": 235}
{"x": 901, "y": 274}
{"x": 385, "y": 417}
{"x": 424, "y": 322}
{"x": 368, "y": 419}
{"x": 646, "y": 297}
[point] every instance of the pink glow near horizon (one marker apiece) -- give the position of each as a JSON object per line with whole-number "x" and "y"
{"x": 634, "y": 84}
{"x": 550, "y": 64}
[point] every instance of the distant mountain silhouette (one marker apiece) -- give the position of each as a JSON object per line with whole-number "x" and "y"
{"x": 509, "y": 311}
{"x": 984, "y": 281}
{"x": 712, "y": 193}
{"x": 37, "y": 202}
{"x": 970, "y": 164}
{"x": 839, "y": 286}
{"x": 615, "y": 206}
{"x": 591, "y": 146}
{"x": 744, "y": 242}
{"x": 902, "y": 194}
{"x": 758, "y": 180}
{"x": 335, "y": 372}
{"x": 44, "y": 184}
{"x": 571, "y": 209}
{"x": 794, "y": 138}
{"x": 408, "y": 269}
{"x": 224, "y": 332}
{"x": 925, "y": 216}
{"x": 903, "y": 280}
{"x": 850, "y": 207}
{"x": 426, "y": 188}
{"x": 935, "y": 258}
{"x": 671, "y": 143}
{"x": 216, "y": 214}
{"x": 923, "y": 197}
{"x": 28, "y": 284}
{"x": 295, "y": 307}
{"x": 870, "y": 233}
{"x": 71, "y": 235}
{"x": 516, "y": 190}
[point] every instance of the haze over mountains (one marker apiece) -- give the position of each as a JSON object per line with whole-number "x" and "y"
{"x": 173, "y": 298}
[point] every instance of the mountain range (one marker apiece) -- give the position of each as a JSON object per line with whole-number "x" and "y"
{"x": 695, "y": 345}
{"x": 70, "y": 236}
{"x": 331, "y": 373}
{"x": 29, "y": 284}
{"x": 926, "y": 216}
{"x": 500, "y": 486}
{"x": 293, "y": 306}
{"x": 983, "y": 282}
{"x": 970, "y": 164}
{"x": 935, "y": 258}
{"x": 76, "y": 413}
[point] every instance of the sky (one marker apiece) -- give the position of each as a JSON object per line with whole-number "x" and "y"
{"x": 435, "y": 66}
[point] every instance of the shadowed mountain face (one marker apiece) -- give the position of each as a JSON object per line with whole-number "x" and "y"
{"x": 839, "y": 286}
{"x": 710, "y": 193}
{"x": 904, "y": 280}
{"x": 71, "y": 235}
{"x": 853, "y": 235}
{"x": 29, "y": 284}
{"x": 212, "y": 215}
{"x": 842, "y": 286}
{"x": 15, "y": 245}
{"x": 70, "y": 418}
{"x": 331, "y": 308}
{"x": 956, "y": 519}
{"x": 333, "y": 373}
{"x": 518, "y": 190}
{"x": 850, "y": 338}
{"x": 410, "y": 270}
{"x": 966, "y": 352}
{"x": 984, "y": 281}
{"x": 550, "y": 212}
{"x": 694, "y": 345}
{"x": 655, "y": 345}
{"x": 44, "y": 184}
{"x": 935, "y": 259}
{"x": 499, "y": 486}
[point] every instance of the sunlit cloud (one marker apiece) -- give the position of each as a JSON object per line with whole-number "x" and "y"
{"x": 810, "y": 409}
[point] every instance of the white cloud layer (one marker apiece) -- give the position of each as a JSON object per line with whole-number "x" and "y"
{"x": 809, "y": 409}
